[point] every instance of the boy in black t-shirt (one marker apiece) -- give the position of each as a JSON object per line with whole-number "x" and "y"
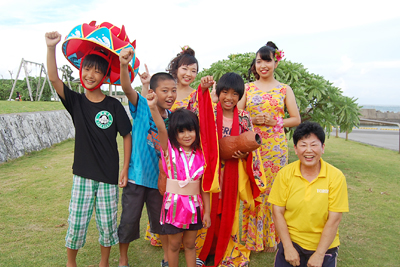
{"x": 97, "y": 119}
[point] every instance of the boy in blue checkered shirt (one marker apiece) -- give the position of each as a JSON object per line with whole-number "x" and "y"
{"x": 143, "y": 167}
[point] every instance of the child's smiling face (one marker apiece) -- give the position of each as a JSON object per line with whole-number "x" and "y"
{"x": 166, "y": 93}
{"x": 91, "y": 77}
{"x": 228, "y": 99}
{"x": 186, "y": 138}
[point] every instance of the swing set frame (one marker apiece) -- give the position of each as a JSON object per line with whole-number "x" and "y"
{"x": 24, "y": 66}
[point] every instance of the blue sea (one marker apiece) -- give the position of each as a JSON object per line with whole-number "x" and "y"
{"x": 382, "y": 108}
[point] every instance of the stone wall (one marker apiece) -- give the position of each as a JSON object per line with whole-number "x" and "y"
{"x": 22, "y": 133}
{"x": 373, "y": 114}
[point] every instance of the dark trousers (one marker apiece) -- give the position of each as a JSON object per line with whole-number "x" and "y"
{"x": 330, "y": 259}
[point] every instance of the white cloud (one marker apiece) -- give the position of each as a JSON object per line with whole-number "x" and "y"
{"x": 214, "y": 29}
{"x": 367, "y": 67}
{"x": 341, "y": 83}
{"x": 347, "y": 64}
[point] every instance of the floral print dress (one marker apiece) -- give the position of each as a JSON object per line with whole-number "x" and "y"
{"x": 258, "y": 226}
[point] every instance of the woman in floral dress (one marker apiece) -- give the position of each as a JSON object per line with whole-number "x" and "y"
{"x": 265, "y": 100}
{"x": 184, "y": 68}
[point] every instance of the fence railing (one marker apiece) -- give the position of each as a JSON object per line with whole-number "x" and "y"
{"x": 376, "y": 121}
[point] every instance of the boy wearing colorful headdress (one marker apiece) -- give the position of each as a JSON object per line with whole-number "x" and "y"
{"x": 97, "y": 119}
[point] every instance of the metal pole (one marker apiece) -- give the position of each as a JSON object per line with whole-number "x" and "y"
{"x": 27, "y": 81}
{"x": 38, "y": 83}
{"x": 16, "y": 79}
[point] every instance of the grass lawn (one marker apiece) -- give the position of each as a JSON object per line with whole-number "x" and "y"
{"x": 35, "y": 193}
{"x": 7, "y": 107}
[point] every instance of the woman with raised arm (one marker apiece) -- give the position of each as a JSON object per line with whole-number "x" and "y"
{"x": 184, "y": 68}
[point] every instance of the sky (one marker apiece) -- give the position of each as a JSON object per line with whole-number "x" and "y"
{"x": 354, "y": 44}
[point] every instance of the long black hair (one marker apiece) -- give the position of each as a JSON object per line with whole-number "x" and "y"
{"x": 266, "y": 52}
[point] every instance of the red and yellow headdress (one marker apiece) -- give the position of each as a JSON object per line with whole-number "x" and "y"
{"x": 105, "y": 40}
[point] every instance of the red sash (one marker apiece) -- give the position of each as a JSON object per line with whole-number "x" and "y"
{"x": 229, "y": 198}
{"x": 209, "y": 142}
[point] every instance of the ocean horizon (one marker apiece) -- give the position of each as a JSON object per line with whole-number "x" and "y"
{"x": 382, "y": 108}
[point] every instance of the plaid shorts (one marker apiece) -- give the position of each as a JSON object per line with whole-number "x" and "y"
{"x": 87, "y": 194}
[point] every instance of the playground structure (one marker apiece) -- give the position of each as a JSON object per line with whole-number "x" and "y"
{"x": 42, "y": 70}
{"x": 64, "y": 77}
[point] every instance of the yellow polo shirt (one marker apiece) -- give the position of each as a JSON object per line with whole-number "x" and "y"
{"x": 308, "y": 204}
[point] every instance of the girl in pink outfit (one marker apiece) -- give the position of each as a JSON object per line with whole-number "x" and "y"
{"x": 186, "y": 207}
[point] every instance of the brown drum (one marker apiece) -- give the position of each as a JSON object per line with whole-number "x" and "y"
{"x": 245, "y": 142}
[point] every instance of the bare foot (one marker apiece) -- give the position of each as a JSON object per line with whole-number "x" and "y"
{"x": 123, "y": 262}
{"x": 69, "y": 264}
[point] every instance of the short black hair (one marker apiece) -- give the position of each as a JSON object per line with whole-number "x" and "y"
{"x": 267, "y": 53}
{"x": 305, "y": 129}
{"x": 98, "y": 62}
{"x": 230, "y": 80}
{"x": 158, "y": 77}
{"x": 180, "y": 120}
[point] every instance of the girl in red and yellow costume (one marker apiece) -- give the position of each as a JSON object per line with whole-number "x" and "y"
{"x": 241, "y": 179}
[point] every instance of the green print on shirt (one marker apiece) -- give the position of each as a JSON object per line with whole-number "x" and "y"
{"x": 103, "y": 119}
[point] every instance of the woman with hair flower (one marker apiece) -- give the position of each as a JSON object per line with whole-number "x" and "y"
{"x": 184, "y": 68}
{"x": 265, "y": 99}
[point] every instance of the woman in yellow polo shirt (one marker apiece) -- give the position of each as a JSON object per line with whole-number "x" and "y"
{"x": 308, "y": 199}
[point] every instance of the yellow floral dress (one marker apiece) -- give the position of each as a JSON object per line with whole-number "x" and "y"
{"x": 154, "y": 238}
{"x": 184, "y": 102}
{"x": 258, "y": 226}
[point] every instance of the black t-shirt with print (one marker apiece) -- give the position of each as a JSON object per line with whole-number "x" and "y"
{"x": 96, "y": 126}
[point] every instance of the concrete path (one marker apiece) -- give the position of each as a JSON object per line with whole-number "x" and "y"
{"x": 388, "y": 139}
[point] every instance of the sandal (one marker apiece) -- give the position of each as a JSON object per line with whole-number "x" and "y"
{"x": 199, "y": 263}
{"x": 164, "y": 263}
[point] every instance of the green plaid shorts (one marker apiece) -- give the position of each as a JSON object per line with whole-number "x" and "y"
{"x": 87, "y": 194}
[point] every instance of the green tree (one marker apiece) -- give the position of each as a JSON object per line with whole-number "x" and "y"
{"x": 5, "y": 88}
{"x": 317, "y": 98}
{"x": 138, "y": 88}
{"x": 22, "y": 87}
{"x": 68, "y": 72}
